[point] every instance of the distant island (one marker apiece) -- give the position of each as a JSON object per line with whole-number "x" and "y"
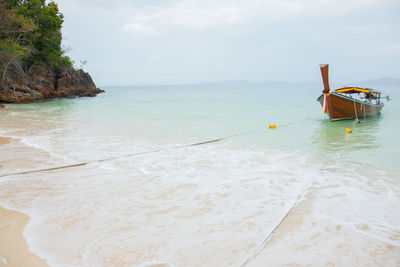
{"x": 383, "y": 80}
{"x": 33, "y": 66}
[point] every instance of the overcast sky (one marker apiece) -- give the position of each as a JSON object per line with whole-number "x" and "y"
{"x": 192, "y": 41}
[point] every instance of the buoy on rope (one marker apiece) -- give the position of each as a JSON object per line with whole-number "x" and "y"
{"x": 272, "y": 126}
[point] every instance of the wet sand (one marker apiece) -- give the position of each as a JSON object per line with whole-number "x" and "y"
{"x": 350, "y": 248}
{"x": 13, "y": 248}
{"x": 4, "y": 140}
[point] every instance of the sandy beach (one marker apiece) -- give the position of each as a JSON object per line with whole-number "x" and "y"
{"x": 13, "y": 248}
{"x": 305, "y": 194}
{"x": 4, "y": 140}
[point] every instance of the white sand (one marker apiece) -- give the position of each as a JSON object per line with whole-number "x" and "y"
{"x": 13, "y": 248}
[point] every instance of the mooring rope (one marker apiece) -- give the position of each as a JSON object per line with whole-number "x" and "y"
{"x": 47, "y": 169}
{"x": 306, "y": 191}
{"x": 355, "y": 110}
{"x": 107, "y": 159}
{"x": 365, "y": 114}
{"x": 141, "y": 153}
{"x": 264, "y": 242}
{"x": 127, "y": 155}
{"x": 268, "y": 237}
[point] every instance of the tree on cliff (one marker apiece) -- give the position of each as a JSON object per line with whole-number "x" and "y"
{"x": 46, "y": 39}
{"x": 14, "y": 28}
{"x": 30, "y": 32}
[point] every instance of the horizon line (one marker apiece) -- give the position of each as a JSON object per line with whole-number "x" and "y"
{"x": 389, "y": 80}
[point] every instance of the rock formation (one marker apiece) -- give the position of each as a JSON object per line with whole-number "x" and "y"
{"x": 42, "y": 83}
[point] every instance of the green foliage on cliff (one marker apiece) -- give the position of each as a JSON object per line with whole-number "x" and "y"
{"x": 30, "y": 32}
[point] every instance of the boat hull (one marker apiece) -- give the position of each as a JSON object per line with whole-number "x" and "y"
{"x": 342, "y": 107}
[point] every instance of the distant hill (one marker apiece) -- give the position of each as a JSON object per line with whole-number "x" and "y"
{"x": 366, "y": 83}
{"x": 247, "y": 82}
{"x": 233, "y": 82}
{"x": 382, "y": 81}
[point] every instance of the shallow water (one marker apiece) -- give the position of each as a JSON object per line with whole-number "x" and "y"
{"x": 207, "y": 205}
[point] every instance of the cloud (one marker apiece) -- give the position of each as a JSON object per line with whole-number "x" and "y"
{"x": 187, "y": 15}
{"x": 144, "y": 17}
{"x": 200, "y": 15}
{"x": 169, "y": 41}
{"x": 138, "y": 28}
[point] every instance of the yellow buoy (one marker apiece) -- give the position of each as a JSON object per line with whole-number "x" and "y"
{"x": 273, "y": 125}
{"x": 348, "y": 130}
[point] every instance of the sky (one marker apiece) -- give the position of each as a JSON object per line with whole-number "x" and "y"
{"x": 147, "y": 42}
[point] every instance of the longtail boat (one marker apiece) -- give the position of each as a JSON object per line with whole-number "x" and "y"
{"x": 348, "y": 102}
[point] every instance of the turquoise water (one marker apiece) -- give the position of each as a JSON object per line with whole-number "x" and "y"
{"x": 224, "y": 197}
{"x": 242, "y": 113}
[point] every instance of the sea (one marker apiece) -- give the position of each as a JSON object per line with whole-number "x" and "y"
{"x": 194, "y": 175}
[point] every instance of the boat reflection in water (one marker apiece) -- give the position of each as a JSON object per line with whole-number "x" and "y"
{"x": 331, "y": 137}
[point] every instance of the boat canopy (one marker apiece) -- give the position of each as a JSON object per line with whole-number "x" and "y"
{"x": 354, "y": 90}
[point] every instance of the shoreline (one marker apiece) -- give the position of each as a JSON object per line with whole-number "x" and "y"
{"x": 14, "y": 250}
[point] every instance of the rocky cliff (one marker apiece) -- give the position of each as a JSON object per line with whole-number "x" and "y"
{"x": 42, "y": 83}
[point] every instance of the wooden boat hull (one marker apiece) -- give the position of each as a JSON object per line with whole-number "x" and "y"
{"x": 342, "y": 107}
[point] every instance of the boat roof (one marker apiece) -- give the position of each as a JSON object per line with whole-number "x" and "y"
{"x": 353, "y": 90}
